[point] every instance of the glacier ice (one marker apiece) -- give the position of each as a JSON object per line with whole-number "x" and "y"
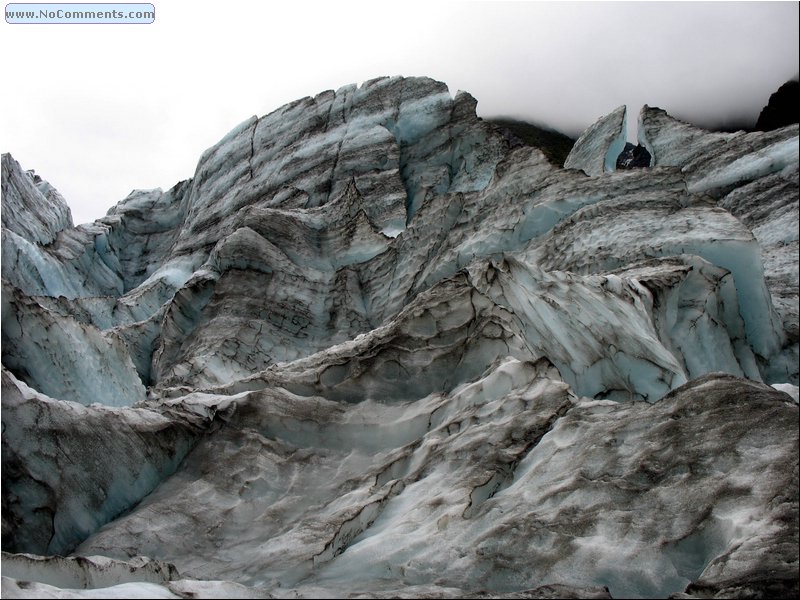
{"x": 373, "y": 349}
{"x": 32, "y": 208}
{"x": 754, "y": 176}
{"x": 65, "y": 358}
{"x": 596, "y": 151}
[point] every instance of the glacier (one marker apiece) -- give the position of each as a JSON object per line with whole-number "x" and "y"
{"x": 373, "y": 349}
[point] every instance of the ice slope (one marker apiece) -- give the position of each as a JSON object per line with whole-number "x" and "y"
{"x": 64, "y": 357}
{"x": 69, "y": 468}
{"x": 372, "y": 349}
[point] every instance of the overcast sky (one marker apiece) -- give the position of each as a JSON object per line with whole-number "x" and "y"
{"x": 99, "y": 110}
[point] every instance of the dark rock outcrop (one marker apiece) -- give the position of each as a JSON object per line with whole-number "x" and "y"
{"x": 633, "y": 157}
{"x": 782, "y": 108}
{"x": 554, "y": 144}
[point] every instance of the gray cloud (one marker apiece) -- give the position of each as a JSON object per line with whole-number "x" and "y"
{"x": 100, "y": 110}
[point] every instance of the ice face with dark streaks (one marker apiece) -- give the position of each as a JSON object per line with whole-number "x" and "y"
{"x": 372, "y": 349}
